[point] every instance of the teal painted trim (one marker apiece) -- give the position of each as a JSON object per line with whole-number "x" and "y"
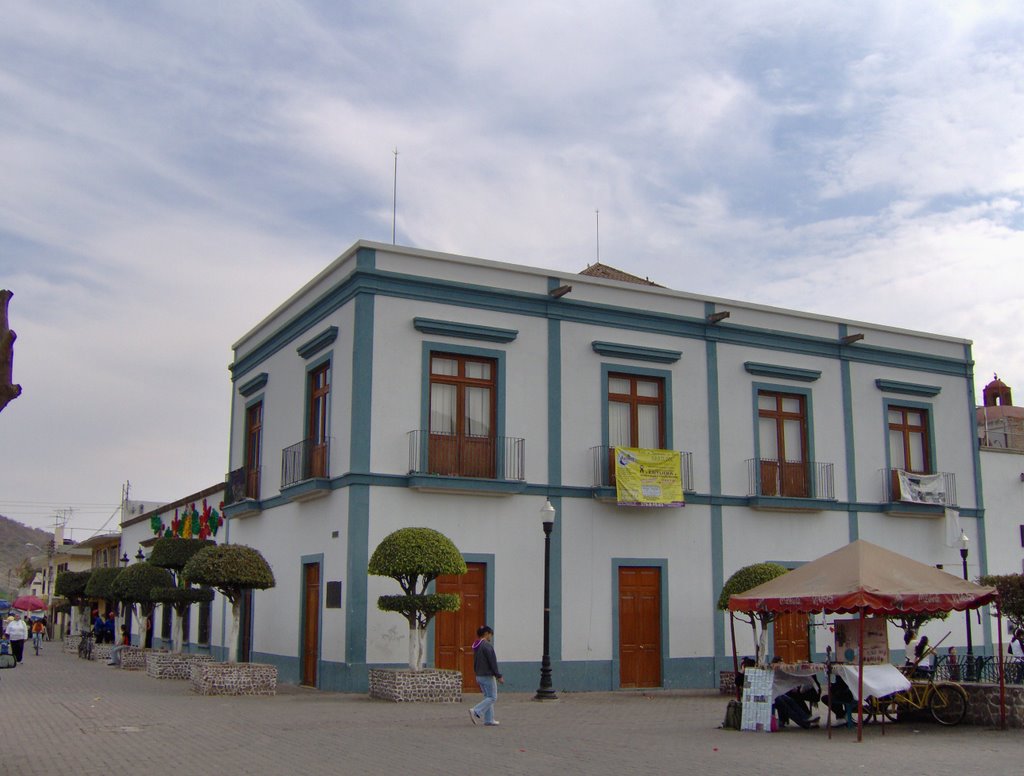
{"x": 555, "y": 599}
{"x": 362, "y": 385}
{"x": 463, "y": 330}
{"x": 717, "y": 548}
{"x": 288, "y": 666}
{"x": 403, "y": 286}
{"x": 666, "y": 641}
{"x": 366, "y": 259}
{"x": 636, "y": 352}
{"x": 357, "y": 562}
{"x": 304, "y": 561}
{"x": 318, "y": 343}
{"x": 303, "y": 490}
{"x": 912, "y": 389}
{"x": 429, "y": 347}
{"x": 251, "y": 386}
{"x": 929, "y": 411}
{"x": 639, "y": 371}
{"x": 793, "y": 504}
{"x": 778, "y": 371}
{"x": 849, "y": 441}
{"x": 465, "y": 484}
{"x": 554, "y": 396}
{"x": 247, "y": 507}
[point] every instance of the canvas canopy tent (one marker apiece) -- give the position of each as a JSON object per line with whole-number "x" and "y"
{"x": 866, "y": 579}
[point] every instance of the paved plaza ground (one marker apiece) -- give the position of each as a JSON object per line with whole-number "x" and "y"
{"x": 66, "y": 716}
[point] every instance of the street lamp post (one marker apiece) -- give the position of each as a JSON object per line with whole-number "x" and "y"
{"x": 545, "y": 691}
{"x": 969, "y": 673}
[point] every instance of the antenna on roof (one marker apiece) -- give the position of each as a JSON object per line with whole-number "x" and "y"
{"x": 394, "y": 198}
{"x": 597, "y": 225}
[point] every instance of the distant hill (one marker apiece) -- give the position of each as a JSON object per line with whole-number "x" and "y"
{"x": 13, "y": 537}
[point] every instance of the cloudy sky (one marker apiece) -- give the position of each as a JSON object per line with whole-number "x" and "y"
{"x": 174, "y": 170}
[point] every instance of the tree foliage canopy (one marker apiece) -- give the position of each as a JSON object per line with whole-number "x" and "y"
{"x": 100, "y": 584}
{"x": 180, "y": 597}
{"x": 135, "y": 584}
{"x": 1011, "y": 596}
{"x": 410, "y": 554}
{"x": 71, "y": 584}
{"x": 173, "y": 553}
{"x": 747, "y": 578}
{"x": 230, "y": 568}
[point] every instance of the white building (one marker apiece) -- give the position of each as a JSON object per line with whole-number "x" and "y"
{"x": 405, "y": 387}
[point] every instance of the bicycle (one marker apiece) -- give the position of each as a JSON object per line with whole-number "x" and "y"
{"x": 946, "y": 701}
{"x": 37, "y": 639}
{"x": 85, "y": 645}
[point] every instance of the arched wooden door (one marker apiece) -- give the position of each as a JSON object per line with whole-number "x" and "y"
{"x": 455, "y": 632}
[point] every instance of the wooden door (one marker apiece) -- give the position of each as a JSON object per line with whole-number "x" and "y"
{"x": 639, "y": 626}
{"x": 310, "y": 623}
{"x": 455, "y": 632}
{"x": 792, "y": 642}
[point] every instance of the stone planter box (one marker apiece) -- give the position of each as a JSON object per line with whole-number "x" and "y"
{"x": 210, "y": 678}
{"x": 983, "y": 708}
{"x": 134, "y": 658}
{"x": 430, "y": 685}
{"x": 727, "y": 682}
{"x": 172, "y": 665}
{"x": 99, "y": 651}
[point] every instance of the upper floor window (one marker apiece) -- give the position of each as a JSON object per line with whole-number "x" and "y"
{"x": 908, "y": 439}
{"x": 463, "y": 392}
{"x": 636, "y": 411}
{"x": 782, "y": 442}
{"x": 253, "y": 449}
{"x": 317, "y": 431}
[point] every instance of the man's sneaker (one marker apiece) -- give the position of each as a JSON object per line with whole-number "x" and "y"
{"x": 492, "y": 724}
{"x": 474, "y": 716}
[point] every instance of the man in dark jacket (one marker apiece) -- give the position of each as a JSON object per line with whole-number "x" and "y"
{"x": 485, "y": 666}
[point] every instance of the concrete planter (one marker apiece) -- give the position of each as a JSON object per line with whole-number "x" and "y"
{"x": 134, "y": 658}
{"x": 172, "y": 665}
{"x": 431, "y": 685}
{"x": 210, "y": 678}
{"x": 984, "y": 705}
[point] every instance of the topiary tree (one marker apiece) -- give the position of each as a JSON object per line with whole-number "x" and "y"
{"x": 100, "y": 584}
{"x": 172, "y": 553}
{"x": 746, "y": 579}
{"x": 1011, "y": 596}
{"x": 415, "y": 557}
{"x": 134, "y": 587}
{"x": 231, "y": 569}
{"x": 71, "y": 585}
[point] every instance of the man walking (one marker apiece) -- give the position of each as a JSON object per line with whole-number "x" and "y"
{"x": 485, "y": 666}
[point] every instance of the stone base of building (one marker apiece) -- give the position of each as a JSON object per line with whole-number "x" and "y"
{"x": 173, "y": 665}
{"x": 210, "y": 678}
{"x": 431, "y": 685}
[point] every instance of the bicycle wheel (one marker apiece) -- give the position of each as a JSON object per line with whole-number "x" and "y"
{"x": 948, "y": 703}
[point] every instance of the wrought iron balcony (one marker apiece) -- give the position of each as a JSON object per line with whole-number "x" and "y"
{"x": 465, "y": 455}
{"x": 306, "y": 460}
{"x": 604, "y": 468}
{"x": 914, "y": 488}
{"x": 790, "y": 479}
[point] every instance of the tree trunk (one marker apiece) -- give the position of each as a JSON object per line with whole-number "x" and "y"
{"x": 178, "y": 638}
{"x": 236, "y": 618}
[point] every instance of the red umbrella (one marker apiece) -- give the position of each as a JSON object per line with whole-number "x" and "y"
{"x": 27, "y": 603}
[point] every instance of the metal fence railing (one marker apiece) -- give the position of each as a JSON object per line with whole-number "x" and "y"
{"x": 466, "y": 455}
{"x": 792, "y": 479}
{"x": 305, "y": 460}
{"x": 979, "y": 668}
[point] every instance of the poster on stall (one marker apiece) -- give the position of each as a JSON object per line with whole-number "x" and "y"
{"x": 876, "y": 640}
{"x": 648, "y": 478}
{"x": 757, "y": 699}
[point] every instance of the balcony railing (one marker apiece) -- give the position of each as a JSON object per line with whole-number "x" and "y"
{"x": 790, "y": 479}
{"x": 911, "y": 488}
{"x": 465, "y": 455}
{"x": 604, "y": 468}
{"x": 306, "y": 460}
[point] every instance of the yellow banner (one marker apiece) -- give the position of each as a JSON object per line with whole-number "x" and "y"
{"x": 648, "y": 478}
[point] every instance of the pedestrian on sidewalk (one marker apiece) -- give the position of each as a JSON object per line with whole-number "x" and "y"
{"x": 485, "y": 666}
{"x": 17, "y": 632}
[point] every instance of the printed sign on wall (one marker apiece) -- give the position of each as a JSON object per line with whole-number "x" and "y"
{"x": 648, "y": 478}
{"x": 876, "y": 640}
